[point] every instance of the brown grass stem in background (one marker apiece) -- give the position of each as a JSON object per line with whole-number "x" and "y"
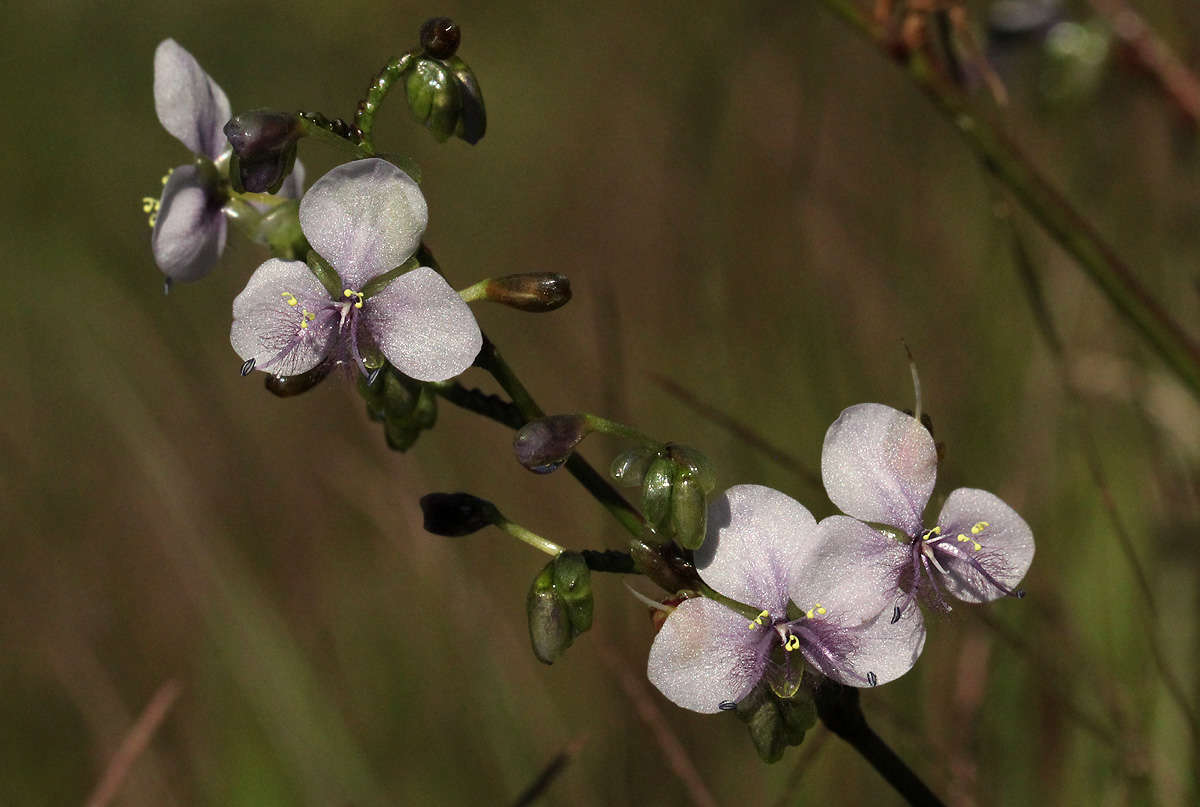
{"x": 814, "y": 741}
{"x": 1003, "y": 159}
{"x": 740, "y": 430}
{"x": 1151, "y": 53}
{"x": 674, "y": 754}
{"x": 1041, "y": 314}
{"x": 134, "y": 744}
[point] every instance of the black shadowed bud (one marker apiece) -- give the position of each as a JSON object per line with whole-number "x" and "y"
{"x": 264, "y": 148}
{"x": 536, "y": 292}
{"x": 287, "y": 386}
{"x": 457, "y": 514}
{"x": 440, "y": 37}
{"x": 559, "y": 605}
{"x": 664, "y": 565}
{"x": 544, "y": 445}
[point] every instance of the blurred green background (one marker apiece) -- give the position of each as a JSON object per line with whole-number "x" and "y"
{"x": 749, "y": 201}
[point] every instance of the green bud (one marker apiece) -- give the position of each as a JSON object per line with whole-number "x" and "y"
{"x": 629, "y": 467}
{"x": 656, "y": 490}
{"x": 472, "y": 117}
{"x": 559, "y": 605}
{"x": 775, "y": 723}
{"x": 573, "y": 582}
{"x": 405, "y": 407}
{"x": 433, "y": 97}
{"x": 689, "y": 510}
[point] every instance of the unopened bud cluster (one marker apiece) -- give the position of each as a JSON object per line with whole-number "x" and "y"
{"x": 675, "y": 482}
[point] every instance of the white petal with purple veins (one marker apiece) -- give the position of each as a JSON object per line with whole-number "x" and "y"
{"x": 1005, "y": 540}
{"x": 879, "y": 464}
{"x": 882, "y": 651}
{"x": 854, "y": 567}
{"x": 365, "y": 218}
{"x": 189, "y": 103}
{"x": 422, "y": 326}
{"x": 755, "y": 536}
{"x": 283, "y": 319}
{"x": 706, "y": 654}
{"x": 189, "y": 233}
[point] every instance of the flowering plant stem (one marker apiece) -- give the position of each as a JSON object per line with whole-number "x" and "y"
{"x": 837, "y": 706}
{"x": 1002, "y": 158}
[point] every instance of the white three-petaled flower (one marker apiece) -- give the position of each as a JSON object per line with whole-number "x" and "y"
{"x": 365, "y": 218}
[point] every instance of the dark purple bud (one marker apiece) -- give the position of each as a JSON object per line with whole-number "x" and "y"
{"x": 544, "y": 445}
{"x": 536, "y": 292}
{"x": 264, "y": 148}
{"x": 288, "y": 386}
{"x": 440, "y": 37}
{"x": 457, "y": 514}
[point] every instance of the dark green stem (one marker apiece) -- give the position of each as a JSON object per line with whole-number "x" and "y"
{"x": 1001, "y": 157}
{"x": 839, "y": 709}
{"x": 377, "y": 90}
{"x": 609, "y": 560}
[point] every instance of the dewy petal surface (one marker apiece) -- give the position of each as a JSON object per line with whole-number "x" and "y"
{"x": 189, "y": 233}
{"x": 423, "y": 327}
{"x": 755, "y": 536}
{"x": 1006, "y": 539}
{"x": 190, "y": 105}
{"x": 854, "y": 570}
{"x": 880, "y": 647}
{"x": 365, "y": 218}
{"x": 879, "y": 464}
{"x": 266, "y": 323}
{"x": 705, "y": 654}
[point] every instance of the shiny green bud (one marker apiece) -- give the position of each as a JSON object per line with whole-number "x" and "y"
{"x": 433, "y": 97}
{"x": 629, "y": 468}
{"x": 573, "y": 582}
{"x": 550, "y": 631}
{"x": 775, "y": 723}
{"x": 656, "y": 490}
{"x": 689, "y": 510}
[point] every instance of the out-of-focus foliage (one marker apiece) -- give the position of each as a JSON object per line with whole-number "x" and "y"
{"x": 746, "y": 198}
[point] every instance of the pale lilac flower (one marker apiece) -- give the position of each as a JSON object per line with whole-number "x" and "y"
{"x": 189, "y": 223}
{"x": 365, "y": 218}
{"x": 762, "y": 549}
{"x": 879, "y": 465}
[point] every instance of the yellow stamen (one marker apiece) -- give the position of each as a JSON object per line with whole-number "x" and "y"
{"x": 792, "y": 643}
{"x": 305, "y": 318}
{"x": 352, "y": 293}
{"x": 759, "y": 620}
{"x": 291, "y": 298}
{"x": 979, "y": 527}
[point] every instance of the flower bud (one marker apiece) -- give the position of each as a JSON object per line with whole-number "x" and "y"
{"x": 535, "y": 292}
{"x": 663, "y": 565}
{"x": 544, "y": 445}
{"x": 440, "y": 37}
{"x": 559, "y": 605}
{"x": 629, "y": 467}
{"x": 457, "y": 514}
{"x": 264, "y": 149}
{"x": 405, "y": 407}
{"x": 775, "y": 723}
{"x": 433, "y": 97}
{"x": 689, "y": 510}
{"x": 287, "y": 386}
{"x": 656, "y": 490}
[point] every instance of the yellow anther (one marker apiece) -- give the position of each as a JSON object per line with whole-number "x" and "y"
{"x": 821, "y": 609}
{"x": 936, "y": 531}
{"x": 291, "y": 298}
{"x": 352, "y": 293}
{"x": 962, "y": 539}
{"x": 760, "y": 619}
{"x": 978, "y": 546}
{"x": 305, "y": 317}
{"x": 979, "y": 527}
{"x": 792, "y": 643}
{"x": 167, "y": 175}
{"x": 151, "y": 205}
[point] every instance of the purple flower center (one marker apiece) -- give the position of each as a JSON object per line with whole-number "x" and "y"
{"x": 932, "y": 551}
{"x": 822, "y": 643}
{"x": 309, "y": 325}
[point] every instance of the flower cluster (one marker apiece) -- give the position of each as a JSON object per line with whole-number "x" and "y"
{"x": 842, "y": 595}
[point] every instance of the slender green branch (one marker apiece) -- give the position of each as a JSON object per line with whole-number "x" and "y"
{"x": 377, "y": 90}
{"x": 1002, "y": 158}
{"x": 529, "y": 536}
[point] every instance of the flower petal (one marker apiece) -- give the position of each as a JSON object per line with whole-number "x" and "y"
{"x": 879, "y": 464}
{"x": 705, "y": 654}
{"x": 189, "y": 233}
{"x": 422, "y": 326}
{"x": 854, "y": 571}
{"x": 365, "y": 218}
{"x": 882, "y": 649}
{"x": 189, "y": 103}
{"x": 293, "y": 186}
{"x": 269, "y": 328}
{"x": 1005, "y": 538}
{"x": 755, "y": 535}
